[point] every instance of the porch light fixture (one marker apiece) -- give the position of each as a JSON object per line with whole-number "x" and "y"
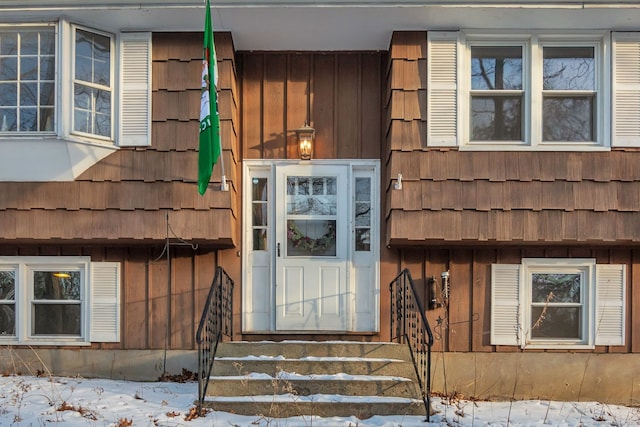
{"x": 305, "y": 141}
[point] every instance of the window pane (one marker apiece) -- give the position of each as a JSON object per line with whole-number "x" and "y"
{"x": 496, "y": 118}
{"x": 7, "y": 319}
{"x": 8, "y": 121}
{"x": 568, "y": 118}
{"x": 28, "y": 119}
{"x": 93, "y": 58}
{"x": 569, "y": 68}
{"x": 363, "y": 213}
{"x": 363, "y": 189}
{"x": 259, "y": 216}
{"x": 8, "y": 43}
{"x": 47, "y": 116}
{"x": 46, "y": 94}
{"x": 555, "y": 288}
{"x": 556, "y": 322}
{"x": 9, "y": 68}
{"x": 8, "y": 94}
{"x": 27, "y": 73}
{"x": 363, "y": 240}
{"x": 300, "y": 202}
{"x": 7, "y": 285}
{"x": 28, "y": 43}
{"x": 311, "y": 238}
{"x": 29, "y": 94}
{"x": 259, "y": 239}
{"x": 259, "y": 189}
{"x": 56, "y": 285}
{"x": 29, "y": 68}
{"x": 56, "y": 319}
{"x": 496, "y": 68}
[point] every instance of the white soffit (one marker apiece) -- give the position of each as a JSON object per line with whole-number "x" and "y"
{"x": 327, "y": 25}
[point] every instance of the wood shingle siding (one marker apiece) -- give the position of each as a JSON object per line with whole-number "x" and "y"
{"x": 514, "y": 196}
{"x": 128, "y": 195}
{"x": 518, "y": 197}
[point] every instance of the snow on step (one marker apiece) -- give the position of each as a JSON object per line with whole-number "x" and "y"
{"x": 312, "y": 377}
{"x": 315, "y": 398}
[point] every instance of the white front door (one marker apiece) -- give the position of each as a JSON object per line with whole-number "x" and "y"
{"x": 310, "y": 246}
{"x": 312, "y": 242}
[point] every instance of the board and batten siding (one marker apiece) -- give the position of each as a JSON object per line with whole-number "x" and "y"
{"x": 161, "y": 301}
{"x": 465, "y": 325}
{"x": 338, "y": 94}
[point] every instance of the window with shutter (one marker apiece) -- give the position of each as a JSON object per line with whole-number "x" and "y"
{"x": 58, "y": 301}
{"x": 626, "y": 89}
{"x": 529, "y": 91}
{"x": 557, "y": 303}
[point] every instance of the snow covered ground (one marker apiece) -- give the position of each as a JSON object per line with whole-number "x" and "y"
{"x": 33, "y": 401}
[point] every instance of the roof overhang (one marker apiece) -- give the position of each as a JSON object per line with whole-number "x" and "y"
{"x": 307, "y": 25}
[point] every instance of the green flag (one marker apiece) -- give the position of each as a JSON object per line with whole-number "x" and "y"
{"x": 210, "y": 146}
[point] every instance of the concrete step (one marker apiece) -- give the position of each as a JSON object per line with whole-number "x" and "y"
{"x": 313, "y": 384}
{"x": 300, "y": 349}
{"x": 284, "y": 406}
{"x": 272, "y": 366}
{"x": 292, "y": 378}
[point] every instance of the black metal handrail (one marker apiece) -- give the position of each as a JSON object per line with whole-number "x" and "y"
{"x": 216, "y": 321}
{"x": 409, "y": 324}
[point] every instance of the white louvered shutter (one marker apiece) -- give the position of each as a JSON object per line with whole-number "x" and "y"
{"x": 442, "y": 85}
{"x": 104, "y": 306}
{"x": 506, "y": 316}
{"x": 626, "y": 90}
{"x": 610, "y": 304}
{"x": 135, "y": 89}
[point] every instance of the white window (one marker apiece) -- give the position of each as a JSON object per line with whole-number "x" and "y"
{"x": 528, "y": 91}
{"x": 58, "y": 300}
{"x": 557, "y": 303}
{"x": 92, "y": 83}
{"x": 61, "y": 80}
{"x": 539, "y": 91}
{"x": 27, "y": 80}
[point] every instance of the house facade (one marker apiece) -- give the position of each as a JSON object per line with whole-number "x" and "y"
{"x": 490, "y": 148}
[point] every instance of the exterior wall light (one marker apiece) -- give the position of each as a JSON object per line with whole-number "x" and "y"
{"x": 305, "y": 134}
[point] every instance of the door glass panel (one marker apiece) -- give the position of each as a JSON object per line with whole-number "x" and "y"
{"x": 309, "y": 237}
{"x": 362, "y": 214}
{"x": 311, "y": 196}
{"x": 259, "y": 208}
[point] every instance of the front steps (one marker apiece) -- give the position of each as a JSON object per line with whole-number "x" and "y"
{"x": 292, "y": 378}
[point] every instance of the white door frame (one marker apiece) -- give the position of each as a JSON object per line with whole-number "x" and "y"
{"x": 258, "y": 272}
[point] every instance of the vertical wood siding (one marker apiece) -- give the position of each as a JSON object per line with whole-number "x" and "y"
{"x": 339, "y": 94}
{"x": 158, "y": 310}
{"x": 465, "y": 325}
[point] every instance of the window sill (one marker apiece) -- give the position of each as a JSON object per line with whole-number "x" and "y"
{"x": 48, "y": 158}
{"x": 62, "y": 342}
{"x": 545, "y": 147}
{"x": 549, "y": 346}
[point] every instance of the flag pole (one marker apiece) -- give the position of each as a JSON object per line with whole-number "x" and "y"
{"x": 223, "y": 185}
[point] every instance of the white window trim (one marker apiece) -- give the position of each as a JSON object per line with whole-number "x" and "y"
{"x": 100, "y": 305}
{"x": 68, "y": 75}
{"x": 604, "y": 303}
{"x": 584, "y": 267}
{"x": 533, "y": 42}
